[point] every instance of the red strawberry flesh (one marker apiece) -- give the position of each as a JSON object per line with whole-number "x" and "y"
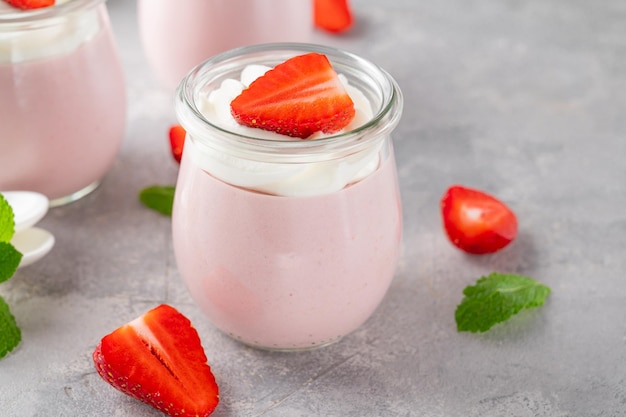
{"x": 477, "y": 222}
{"x": 297, "y": 98}
{"x": 177, "y": 141}
{"x": 158, "y": 359}
{"x": 332, "y": 15}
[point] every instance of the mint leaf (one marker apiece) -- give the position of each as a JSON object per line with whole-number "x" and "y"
{"x": 496, "y": 298}
{"x": 159, "y": 198}
{"x": 7, "y": 220}
{"x": 9, "y": 260}
{"x": 9, "y": 256}
{"x": 10, "y": 334}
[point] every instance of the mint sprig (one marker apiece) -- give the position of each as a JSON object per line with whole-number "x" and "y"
{"x": 496, "y": 298}
{"x": 159, "y": 198}
{"x": 10, "y": 334}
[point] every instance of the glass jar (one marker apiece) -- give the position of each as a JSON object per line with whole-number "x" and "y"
{"x": 177, "y": 36}
{"x": 62, "y": 100}
{"x": 287, "y": 244}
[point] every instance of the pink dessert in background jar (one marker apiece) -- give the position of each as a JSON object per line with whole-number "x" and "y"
{"x": 177, "y": 36}
{"x": 284, "y": 243}
{"x": 62, "y": 100}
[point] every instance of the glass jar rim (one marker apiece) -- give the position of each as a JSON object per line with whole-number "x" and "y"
{"x": 44, "y": 15}
{"x": 384, "y": 120}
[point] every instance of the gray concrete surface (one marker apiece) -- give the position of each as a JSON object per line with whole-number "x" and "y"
{"x": 525, "y": 100}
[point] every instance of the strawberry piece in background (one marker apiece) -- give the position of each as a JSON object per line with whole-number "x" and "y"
{"x": 332, "y": 15}
{"x": 177, "y": 141}
{"x": 476, "y": 222}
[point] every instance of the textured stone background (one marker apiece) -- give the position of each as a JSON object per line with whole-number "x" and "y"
{"x": 524, "y": 99}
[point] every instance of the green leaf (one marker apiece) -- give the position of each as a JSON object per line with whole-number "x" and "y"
{"x": 159, "y": 198}
{"x": 9, "y": 260}
{"x": 9, "y": 256}
{"x": 496, "y": 298}
{"x": 10, "y": 334}
{"x": 7, "y": 220}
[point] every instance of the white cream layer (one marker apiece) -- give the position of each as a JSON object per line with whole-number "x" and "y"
{"x": 62, "y": 35}
{"x": 302, "y": 179}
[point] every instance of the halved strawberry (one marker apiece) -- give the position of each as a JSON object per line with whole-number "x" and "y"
{"x": 30, "y": 4}
{"x": 477, "y": 222}
{"x": 332, "y": 15}
{"x": 158, "y": 359}
{"x": 297, "y": 98}
{"x": 177, "y": 141}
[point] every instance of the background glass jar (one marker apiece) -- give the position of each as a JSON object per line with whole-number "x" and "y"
{"x": 62, "y": 100}
{"x": 177, "y": 36}
{"x": 275, "y": 265}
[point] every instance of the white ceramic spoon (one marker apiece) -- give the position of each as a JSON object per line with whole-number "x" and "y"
{"x": 34, "y": 243}
{"x": 28, "y": 208}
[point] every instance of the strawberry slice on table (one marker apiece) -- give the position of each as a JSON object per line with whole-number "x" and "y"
{"x": 477, "y": 222}
{"x": 297, "y": 98}
{"x": 158, "y": 359}
{"x": 30, "y": 4}
{"x": 177, "y": 141}
{"x": 332, "y": 15}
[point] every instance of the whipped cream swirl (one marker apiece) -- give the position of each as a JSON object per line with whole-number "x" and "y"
{"x": 59, "y": 35}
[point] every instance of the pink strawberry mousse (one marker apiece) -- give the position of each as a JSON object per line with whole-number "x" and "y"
{"x": 63, "y": 102}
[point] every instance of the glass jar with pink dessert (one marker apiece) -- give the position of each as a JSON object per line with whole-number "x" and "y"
{"x": 176, "y": 36}
{"x": 62, "y": 98}
{"x": 287, "y": 243}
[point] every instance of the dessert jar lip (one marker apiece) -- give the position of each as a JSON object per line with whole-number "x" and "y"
{"x": 42, "y": 17}
{"x": 379, "y": 87}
